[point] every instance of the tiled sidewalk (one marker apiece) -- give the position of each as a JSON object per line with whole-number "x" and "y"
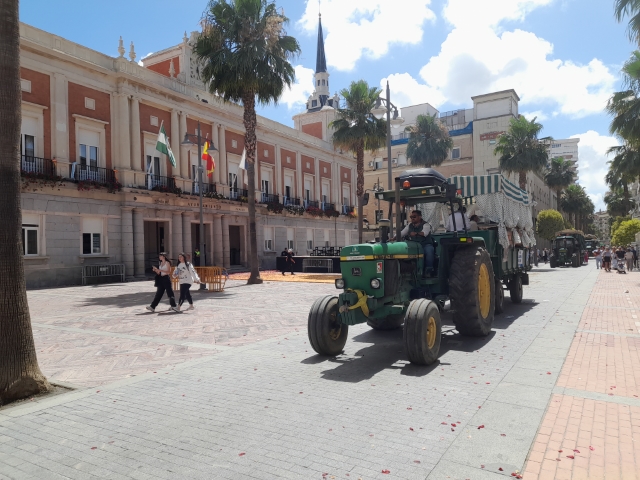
{"x": 591, "y": 429}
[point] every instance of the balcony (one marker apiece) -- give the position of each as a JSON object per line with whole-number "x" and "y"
{"x": 89, "y": 173}
{"x": 311, "y": 203}
{"x": 36, "y": 165}
{"x": 206, "y": 188}
{"x": 160, "y": 184}
{"x": 290, "y": 202}
{"x": 347, "y": 209}
{"x": 269, "y": 198}
{"x": 327, "y": 207}
{"x": 238, "y": 193}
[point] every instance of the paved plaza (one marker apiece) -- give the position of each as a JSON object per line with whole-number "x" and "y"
{"x": 232, "y": 390}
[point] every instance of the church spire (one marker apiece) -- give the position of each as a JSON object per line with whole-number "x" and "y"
{"x": 321, "y": 60}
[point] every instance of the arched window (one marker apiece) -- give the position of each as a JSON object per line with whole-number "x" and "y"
{"x": 323, "y": 83}
{"x": 318, "y": 82}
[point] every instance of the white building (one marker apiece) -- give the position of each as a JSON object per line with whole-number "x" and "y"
{"x": 568, "y": 149}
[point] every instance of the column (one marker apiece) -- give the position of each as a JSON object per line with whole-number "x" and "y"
{"x": 244, "y": 242}
{"x": 179, "y": 130}
{"x": 124, "y": 140}
{"x": 211, "y": 246}
{"x": 216, "y": 155}
{"x": 316, "y": 187}
{"x": 223, "y": 157}
{"x": 126, "y": 225}
{"x": 217, "y": 241}
{"x": 278, "y": 174}
{"x": 226, "y": 253}
{"x": 299, "y": 178}
{"x": 336, "y": 194}
{"x": 187, "y": 244}
{"x": 176, "y": 234}
{"x": 175, "y": 142}
{"x": 138, "y": 242}
{"x": 60, "y": 123}
{"x": 136, "y": 148}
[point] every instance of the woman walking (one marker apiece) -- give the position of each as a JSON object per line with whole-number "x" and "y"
{"x": 163, "y": 284}
{"x": 186, "y": 275}
{"x": 606, "y": 259}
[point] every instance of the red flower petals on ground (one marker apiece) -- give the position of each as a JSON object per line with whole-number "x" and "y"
{"x": 241, "y": 454}
{"x": 570, "y": 456}
{"x": 591, "y": 448}
{"x": 386, "y": 472}
{"x": 500, "y": 469}
{"x": 94, "y": 448}
{"x": 481, "y": 426}
{"x": 503, "y": 434}
{"x": 410, "y": 428}
{"x": 576, "y": 451}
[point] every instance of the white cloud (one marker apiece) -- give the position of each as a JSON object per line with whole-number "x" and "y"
{"x": 360, "y": 28}
{"x": 592, "y": 161}
{"x": 539, "y": 115}
{"x": 478, "y": 57}
{"x": 406, "y": 91}
{"x": 299, "y": 92}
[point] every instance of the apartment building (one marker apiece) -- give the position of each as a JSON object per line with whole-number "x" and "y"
{"x": 96, "y": 191}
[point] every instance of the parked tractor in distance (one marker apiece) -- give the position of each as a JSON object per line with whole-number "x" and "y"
{"x": 567, "y": 249}
{"x": 383, "y": 284}
{"x": 591, "y": 243}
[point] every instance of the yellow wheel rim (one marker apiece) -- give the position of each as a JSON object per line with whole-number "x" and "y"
{"x": 335, "y": 328}
{"x": 484, "y": 291}
{"x": 432, "y": 332}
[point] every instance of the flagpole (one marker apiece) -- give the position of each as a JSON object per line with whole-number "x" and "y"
{"x": 202, "y": 252}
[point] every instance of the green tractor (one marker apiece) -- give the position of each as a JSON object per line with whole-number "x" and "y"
{"x": 383, "y": 284}
{"x": 567, "y": 249}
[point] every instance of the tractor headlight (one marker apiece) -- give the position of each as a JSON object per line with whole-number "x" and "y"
{"x": 340, "y": 283}
{"x": 375, "y": 283}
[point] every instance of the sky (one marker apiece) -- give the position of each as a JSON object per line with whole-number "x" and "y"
{"x": 563, "y": 57}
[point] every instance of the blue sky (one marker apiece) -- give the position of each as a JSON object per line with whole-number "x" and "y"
{"x": 562, "y": 56}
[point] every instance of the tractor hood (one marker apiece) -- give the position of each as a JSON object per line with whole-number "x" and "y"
{"x": 377, "y": 251}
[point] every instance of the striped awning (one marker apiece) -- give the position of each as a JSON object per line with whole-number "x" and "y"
{"x": 474, "y": 185}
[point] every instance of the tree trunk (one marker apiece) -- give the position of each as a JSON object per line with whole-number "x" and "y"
{"x": 249, "y": 102}
{"x": 522, "y": 180}
{"x": 558, "y": 197}
{"x": 20, "y": 375}
{"x": 627, "y": 202}
{"x": 360, "y": 186}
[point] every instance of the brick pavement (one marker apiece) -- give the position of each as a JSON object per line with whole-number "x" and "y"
{"x": 591, "y": 429}
{"x": 273, "y": 409}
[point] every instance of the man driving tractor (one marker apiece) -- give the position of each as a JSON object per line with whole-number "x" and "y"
{"x": 417, "y": 230}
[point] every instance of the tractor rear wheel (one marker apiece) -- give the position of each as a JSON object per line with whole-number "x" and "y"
{"x": 499, "y": 297}
{"x": 327, "y": 335}
{"x": 422, "y": 332}
{"x": 515, "y": 289}
{"x": 392, "y": 322}
{"x": 553, "y": 262}
{"x": 472, "y": 291}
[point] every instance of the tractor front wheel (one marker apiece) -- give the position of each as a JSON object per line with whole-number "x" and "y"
{"x": 472, "y": 291}
{"x": 327, "y": 335}
{"x": 392, "y": 322}
{"x": 422, "y": 332}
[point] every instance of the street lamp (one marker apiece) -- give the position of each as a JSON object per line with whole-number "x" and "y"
{"x": 384, "y": 105}
{"x": 189, "y": 139}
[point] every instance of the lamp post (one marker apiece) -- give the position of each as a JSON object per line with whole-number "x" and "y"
{"x": 198, "y": 141}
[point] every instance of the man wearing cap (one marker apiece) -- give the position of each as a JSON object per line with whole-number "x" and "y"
{"x": 420, "y": 231}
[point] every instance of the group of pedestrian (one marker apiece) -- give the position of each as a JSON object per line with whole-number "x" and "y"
{"x": 186, "y": 275}
{"x": 616, "y": 257}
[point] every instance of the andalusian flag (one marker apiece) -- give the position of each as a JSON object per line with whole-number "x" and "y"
{"x": 206, "y": 156}
{"x": 162, "y": 145}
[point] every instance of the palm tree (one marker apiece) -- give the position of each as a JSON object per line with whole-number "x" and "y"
{"x": 20, "y": 375}
{"x": 521, "y": 150}
{"x": 624, "y": 169}
{"x": 624, "y": 106}
{"x": 559, "y": 175}
{"x": 617, "y": 204}
{"x": 629, "y": 8}
{"x": 429, "y": 141}
{"x": 244, "y": 52}
{"x": 357, "y": 130}
{"x": 576, "y": 203}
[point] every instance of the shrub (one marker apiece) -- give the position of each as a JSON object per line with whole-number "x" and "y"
{"x": 549, "y": 222}
{"x": 626, "y": 232}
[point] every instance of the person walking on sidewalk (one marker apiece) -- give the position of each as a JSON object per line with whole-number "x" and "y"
{"x": 606, "y": 259}
{"x": 545, "y": 256}
{"x": 289, "y": 261}
{"x": 628, "y": 258}
{"x": 187, "y": 276}
{"x": 163, "y": 283}
{"x": 597, "y": 253}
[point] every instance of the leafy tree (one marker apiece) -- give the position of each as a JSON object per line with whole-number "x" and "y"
{"x": 20, "y": 375}
{"x": 576, "y": 203}
{"x": 624, "y": 169}
{"x": 548, "y": 223}
{"x": 617, "y": 205}
{"x": 568, "y": 224}
{"x": 615, "y": 224}
{"x": 245, "y": 52}
{"x": 624, "y": 106}
{"x": 429, "y": 141}
{"x": 631, "y": 9}
{"x": 626, "y": 232}
{"x": 521, "y": 150}
{"x": 559, "y": 175}
{"x": 357, "y": 130}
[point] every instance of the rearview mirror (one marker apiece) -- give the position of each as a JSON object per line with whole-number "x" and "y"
{"x": 365, "y": 199}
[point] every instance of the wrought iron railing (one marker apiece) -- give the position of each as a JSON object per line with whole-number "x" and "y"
{"x": 326, "y": 207}
{"x": 30, "y": 164}
{"x": 290, "y": 201}
{"x": 270, "y": 198}
{"x": 347, "y": 209}
{"x": 88, "y": 173}
{"x": 237, "y": 193}
{"x": 158, "y": 182}
{"x": 311, "y": 203}
{"x": 206, "y": 188}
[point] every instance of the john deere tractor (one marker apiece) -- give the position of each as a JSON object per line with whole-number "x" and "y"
{"x": 383, "y": 284}
{"x": 567, "y": 249}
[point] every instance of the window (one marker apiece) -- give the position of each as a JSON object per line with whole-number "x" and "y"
{"x": 154, "y": 121}
{"x": 88, "y": 157}
{"x": 309, "y": 238}
{"x": 314, "y": 103}
{"x": 288, "y": 159}
{"x": 91, "y": 236}
{"x": 153, "y": 165}
{"x": 266, "y": 153}
{"x": 265, "y": 186}
{"x": 28, "y": 147}
{"x": 379, "y": 216}
{"x": 455, "y": 153}
{"x": 323, "y": 83}
{"x": 290, "y": 238}
{"x": 25, "y": 85}
{"x": 318, "y": 82}
{"x": 268, "y": 239}
{"x": 324, "y": 169}
{"x": 29, "y": 238}
{"x": 234, "y": 143}
{"x": 89, "y": 103}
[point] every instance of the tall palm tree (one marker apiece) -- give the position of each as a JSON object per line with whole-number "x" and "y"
{"x": 576, "y": 203}
{"x": 429, "y": 141}
{"x": 559, "y": 175}
{"x": 520, "y": 149}
{"x": 624, "y": 169}
{"x": 629, "y": 8}
{"x": 624, "y": 106}
{"x": 617, "y": 204}
{"x": 356, "y": 130}
{"x": 20, "y": 375}
{"x": 245, "y": 52}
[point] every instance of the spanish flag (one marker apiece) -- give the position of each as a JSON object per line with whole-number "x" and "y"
{"x": 206, "y": 156}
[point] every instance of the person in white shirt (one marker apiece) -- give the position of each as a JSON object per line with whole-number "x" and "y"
{"x": 163, "y": 284}
{"x": 420, "y": 231}
{"x": 459, "y": 227}
{"x": 473, "y": 223}
{"x": 186, "y": 275}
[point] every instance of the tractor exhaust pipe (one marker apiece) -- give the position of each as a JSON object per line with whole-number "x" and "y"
{"x": 384, "y": 225}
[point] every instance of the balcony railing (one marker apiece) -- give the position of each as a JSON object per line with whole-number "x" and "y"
{"x": 88, "y": 173}
{"x": 206, "y": 188}
{"x": 347, "y": 209}
{"x": 159, "y": 183}
{"x": 326, "y": 207}
{"x": 236, "y": 193}
{"x": 290, "y": 201}
{"x": 311, "y": 203}
{"x": 270, "y": 198}
{"x": 42, "y": 166}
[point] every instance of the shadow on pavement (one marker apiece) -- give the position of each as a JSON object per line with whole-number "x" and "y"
{"x": 142, "y": 299}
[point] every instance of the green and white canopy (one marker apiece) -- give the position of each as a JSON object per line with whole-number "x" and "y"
{"x": 474, "y": 185}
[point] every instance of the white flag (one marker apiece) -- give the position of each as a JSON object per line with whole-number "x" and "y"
{"x": 243, "y": 167}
